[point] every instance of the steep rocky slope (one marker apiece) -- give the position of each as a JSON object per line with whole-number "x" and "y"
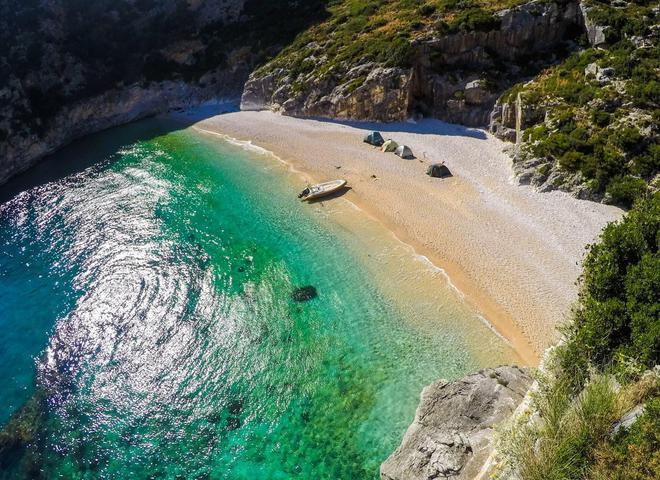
{"x": 444, "y": 59}
{"x": 72, "y": 67}
{"x": 452, "y": 434}
{"x": 585, "y": 100}
{"x": 590, "y": 124}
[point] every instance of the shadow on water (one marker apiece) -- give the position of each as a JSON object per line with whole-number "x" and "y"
{"x": 99, "y": 148}
{"x": 427, "y": 126}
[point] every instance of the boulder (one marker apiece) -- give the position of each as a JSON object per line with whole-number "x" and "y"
{"x": 438, "y": 170}
{"x": 305, "y": 293}
{"x": 452, "y": 433}
{"x": 595, "y": 33}
{"x": 604, "y": 75}
{"x": 476, "y": 92}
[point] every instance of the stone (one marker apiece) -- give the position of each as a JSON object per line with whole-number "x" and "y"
{"x": 604, "y": 75}
{"x": 596, "y": 34}
{"x": 591, "y": 70}
{"x": 452, "y": 433}
{"x": 476, "y": 92}
{"x": 628, "y": 419}
{"x": 304, "y": 294}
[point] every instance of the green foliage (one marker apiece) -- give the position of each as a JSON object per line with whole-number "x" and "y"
{"x": 380, "y": 31}
{"x": 596, "y": 376}
{"x": 635, "y": 453}
{"x": 474, "y": 19}
{"x": 618, "y": 317}
{"x": 611, "y": 153}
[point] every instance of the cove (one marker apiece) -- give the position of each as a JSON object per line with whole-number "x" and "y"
{"x": 150, "y": 328}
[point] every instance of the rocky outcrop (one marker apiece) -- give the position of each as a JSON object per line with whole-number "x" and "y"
{"x": 68, "y": 69}
{"x": 370, "y": 91}
{"x": 115, "y": 107}
{"x": 452, "y": 433}
{"x": 595, "y": 33}
{"x": 446, "y": 79}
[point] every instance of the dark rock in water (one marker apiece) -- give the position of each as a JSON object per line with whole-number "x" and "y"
{"x": 452, "y": 434}
{"x": 241, "y": 269}
{"x": 233, "y": 423}
{"x": 235, "y": 406}
{"x": 303, "y": 294}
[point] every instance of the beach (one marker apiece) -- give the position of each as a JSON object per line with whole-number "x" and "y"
{"x": 514, "y": 253}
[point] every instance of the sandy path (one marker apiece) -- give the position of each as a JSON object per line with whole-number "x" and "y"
{"x": 515, "y": 253}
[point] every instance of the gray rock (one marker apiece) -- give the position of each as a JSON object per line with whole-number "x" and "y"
{"x": 476, "y": 92}
{"x": 628, "y": 419}
{"x": 595, "y": 33}
{"x": 591, "y": 70}
{"x": 451, "y": 436}
{"x": 605, "y": 75}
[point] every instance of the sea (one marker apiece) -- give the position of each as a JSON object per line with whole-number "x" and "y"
{"x": 170, "y": 310}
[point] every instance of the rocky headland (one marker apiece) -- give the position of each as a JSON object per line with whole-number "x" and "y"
{"x": 452, "y": 434}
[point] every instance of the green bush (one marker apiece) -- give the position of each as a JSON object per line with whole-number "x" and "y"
{"x": 618, "y": 316}
{"x": 625, "y": 190}
{"x": 474, "y": 19}
{"x": 635, "y": 453}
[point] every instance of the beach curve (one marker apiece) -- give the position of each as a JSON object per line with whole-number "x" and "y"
{"x": 514, "y": 253}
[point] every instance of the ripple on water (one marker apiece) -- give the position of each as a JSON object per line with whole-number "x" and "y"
{"x": 176, "y": 347}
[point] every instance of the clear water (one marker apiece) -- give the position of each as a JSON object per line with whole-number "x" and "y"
{"x": 146, "y": 317}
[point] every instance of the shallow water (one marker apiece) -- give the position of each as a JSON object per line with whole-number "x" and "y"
{"x": 146, "y": 298}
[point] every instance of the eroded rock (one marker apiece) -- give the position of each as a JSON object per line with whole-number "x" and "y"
{"x": 451, "y": 436}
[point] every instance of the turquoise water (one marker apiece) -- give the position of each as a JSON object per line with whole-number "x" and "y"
{"x": 148, "y": 323}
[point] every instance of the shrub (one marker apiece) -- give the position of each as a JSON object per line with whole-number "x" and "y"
{"x": 618, "y": 315}
{"x": 635, "y": 453}
{"x": 625, "y": 190}
{"x": 474, "y": 19}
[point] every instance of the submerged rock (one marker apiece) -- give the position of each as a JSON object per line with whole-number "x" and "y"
{"x": 303, "y": 294}
{"x": 451, "y": 436}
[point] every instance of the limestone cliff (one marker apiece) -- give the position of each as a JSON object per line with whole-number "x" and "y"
{"x": 72, "y": 67}
{"x": 589, "y": 125}
{"x": 452, "y": 434}
{"x": 455, "y": 76}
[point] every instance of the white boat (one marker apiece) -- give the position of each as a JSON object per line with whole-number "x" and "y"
{"x": 321, "y": 189}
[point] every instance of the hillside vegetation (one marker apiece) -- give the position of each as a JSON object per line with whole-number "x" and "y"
{"x": 381, "y": 31}
{"x": 592, "y": 121}
{"x": 606, "y": 368}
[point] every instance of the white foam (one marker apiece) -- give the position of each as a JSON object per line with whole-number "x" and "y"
{"x": 247, "y": 145}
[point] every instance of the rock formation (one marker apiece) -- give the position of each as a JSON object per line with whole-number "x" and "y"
{"x": 456, "y": 77}
{"x": 70, "y": 68}
{"x": 451, "y": 436}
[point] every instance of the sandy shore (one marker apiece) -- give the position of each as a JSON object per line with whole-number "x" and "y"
{"x": 513, "y": 252}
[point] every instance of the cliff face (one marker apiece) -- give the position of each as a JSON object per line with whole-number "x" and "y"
{"x": 451, "y": 436}
{"x": 455, "y": 77}
{"x": 589, "y": 125}
{"x": 72, "y": 67}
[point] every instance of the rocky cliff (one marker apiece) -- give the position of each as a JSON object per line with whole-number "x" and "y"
{"x": 452, "y": 434}
{"x": 589, "y": 125}
{"x": 72, "y": 67}
{"x": 452, "y": 75}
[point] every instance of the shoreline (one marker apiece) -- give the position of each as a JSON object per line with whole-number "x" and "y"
{"x": 524, "y": 315}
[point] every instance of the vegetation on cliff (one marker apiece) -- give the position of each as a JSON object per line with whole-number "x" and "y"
{"x": 381, "y": 31}
{"x": 582, "y": 423}
{"x": 593, "y": 119}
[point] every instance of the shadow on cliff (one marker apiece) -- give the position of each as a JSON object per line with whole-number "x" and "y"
{"x": 426, "y": 126}
{"x": 100, "y": 148}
